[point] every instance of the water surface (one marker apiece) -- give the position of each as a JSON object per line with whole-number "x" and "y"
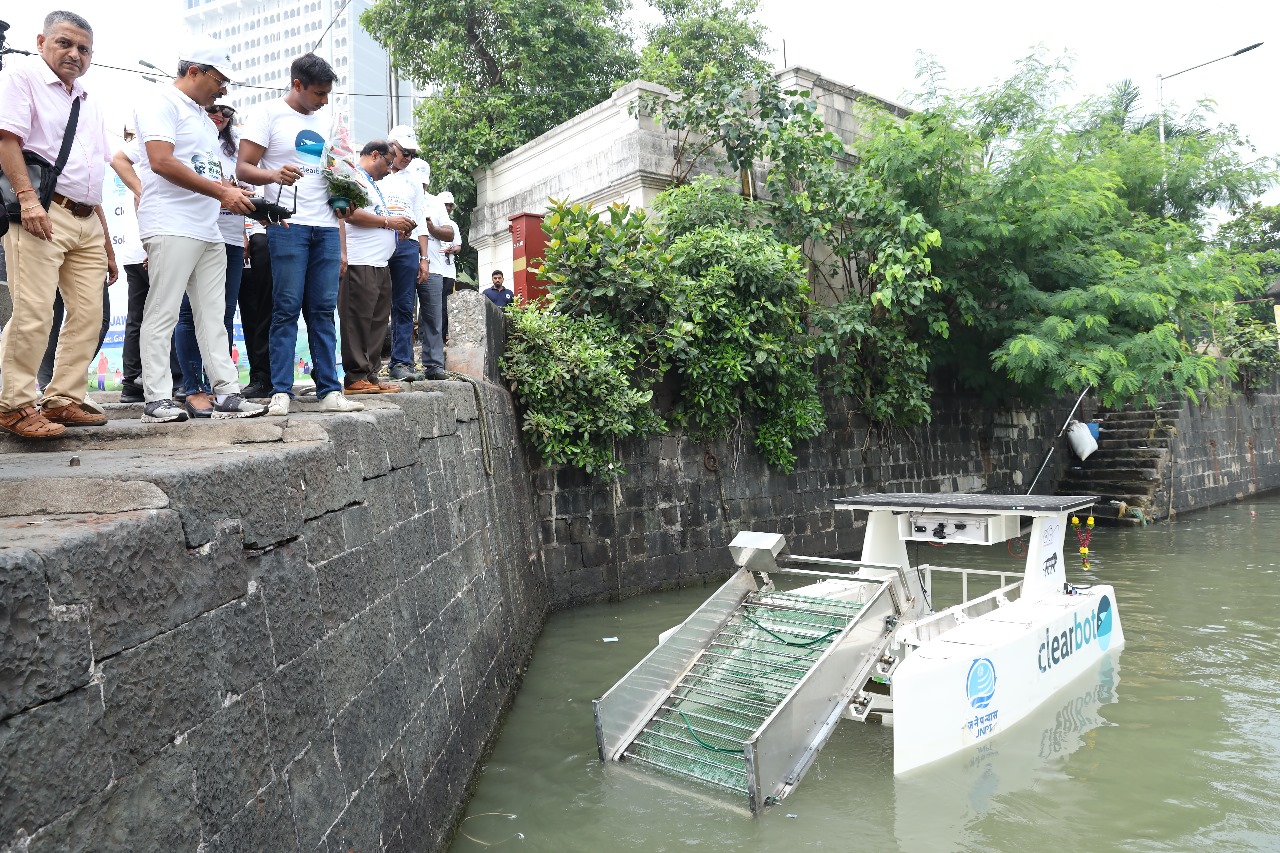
{"x": 1173, "y": 745}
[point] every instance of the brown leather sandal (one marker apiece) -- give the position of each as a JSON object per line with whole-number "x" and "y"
{"x": 29, "y": 422}
{"x": 73, "y": 414}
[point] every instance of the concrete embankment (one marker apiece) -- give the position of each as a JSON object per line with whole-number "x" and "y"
{"x": 271, "y": 635}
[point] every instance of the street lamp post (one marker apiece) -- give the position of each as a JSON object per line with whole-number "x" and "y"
{"x": 1160, "y": 78}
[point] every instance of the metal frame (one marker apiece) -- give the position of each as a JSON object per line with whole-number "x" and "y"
{"x": 816, "y": 703}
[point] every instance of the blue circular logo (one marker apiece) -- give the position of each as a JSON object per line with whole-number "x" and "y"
{"x": 981, "y": 683}
{"x": 1102, "y": 630}
{"x": 309, "y": 145}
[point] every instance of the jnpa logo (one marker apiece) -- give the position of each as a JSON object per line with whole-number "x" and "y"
{"x": 1094, "y": 627}
{"x": 981, "y": 683}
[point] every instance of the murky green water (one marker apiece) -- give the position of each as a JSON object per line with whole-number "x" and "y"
{"x": 1172, "y": 746}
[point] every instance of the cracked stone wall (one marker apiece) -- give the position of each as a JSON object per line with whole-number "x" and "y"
{"x": 268, "y": 636}
{"x": 1225, "y": 453}
{"x": 665, "y": 522}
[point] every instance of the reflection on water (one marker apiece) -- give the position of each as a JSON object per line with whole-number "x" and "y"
{"x": 1182, "y": 754}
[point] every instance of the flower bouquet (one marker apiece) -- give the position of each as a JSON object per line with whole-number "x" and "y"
{"x": 340, "y": 173}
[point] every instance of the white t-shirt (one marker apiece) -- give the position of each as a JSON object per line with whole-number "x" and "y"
{"x": 430, "y": 207}
{"x": 230, "y": 224}
{"x": 403, "y": 194}
{"x": 436, "y": 263}
{"x": 118, "y": 202}
{"x": 167, "y": 115}
{"x": 293, "y": 139}
{"x": 370, "y": 247}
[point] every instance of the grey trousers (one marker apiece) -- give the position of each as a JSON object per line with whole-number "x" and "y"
{"x": 179, "y": 265}
{"x": 364, "y": 309}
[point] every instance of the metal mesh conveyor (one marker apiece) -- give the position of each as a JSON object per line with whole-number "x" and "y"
{"x": 746, "y": 671}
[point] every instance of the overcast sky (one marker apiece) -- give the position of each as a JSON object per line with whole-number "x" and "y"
{"x": 875, "y": 46}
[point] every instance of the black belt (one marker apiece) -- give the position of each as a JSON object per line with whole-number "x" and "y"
{"x": 78, "y": 209}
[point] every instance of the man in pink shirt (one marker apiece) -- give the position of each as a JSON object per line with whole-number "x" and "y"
{"x": 63, "y": 249}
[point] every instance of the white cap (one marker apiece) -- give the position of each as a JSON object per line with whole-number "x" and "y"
{"x": 402, "y": 135}
{"x": 445, "y": 197}
{"x": 203, "y": 50}
{"x": 421, "y": 169}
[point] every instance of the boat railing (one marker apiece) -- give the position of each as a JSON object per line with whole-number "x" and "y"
{"x": 965, "y": 574}
{"x": 932, "y": 626}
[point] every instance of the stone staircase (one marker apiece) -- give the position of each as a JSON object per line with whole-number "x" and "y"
{"x": 1129, "y": 469}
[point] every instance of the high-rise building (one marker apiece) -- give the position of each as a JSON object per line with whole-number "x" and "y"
{"x": 263, "y": 38}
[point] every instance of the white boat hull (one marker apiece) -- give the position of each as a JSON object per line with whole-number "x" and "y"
{"x": 983, "y": 676}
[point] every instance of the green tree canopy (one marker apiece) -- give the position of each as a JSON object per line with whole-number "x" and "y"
{"x": 501, "y": 73}
{"x": 697, "y": 33}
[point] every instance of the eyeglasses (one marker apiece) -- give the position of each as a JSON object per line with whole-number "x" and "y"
{"x": 227, "y": 112}
{"x": 387, "y": 157}
{"x": 219, "y": 78}
{"x": 406, "y": 152}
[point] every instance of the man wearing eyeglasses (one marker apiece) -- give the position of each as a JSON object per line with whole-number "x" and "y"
{"x": 64, "y": 247}
{"x": 364, "y": 296}
{"x": 409, "y": 265}
{"x": 182, "y": 192}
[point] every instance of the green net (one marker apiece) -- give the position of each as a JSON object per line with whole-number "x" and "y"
{"x": 743, "y": 675}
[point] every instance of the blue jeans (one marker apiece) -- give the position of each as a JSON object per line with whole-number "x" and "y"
{"x": 430, "y": 331}
{"x": 184, "y": 334}
{"x": 304, "y": 282}
{"x": 404, "y": 285}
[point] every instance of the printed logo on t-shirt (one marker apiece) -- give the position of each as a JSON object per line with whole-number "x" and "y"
{"x": 310, "y": 145}
{"x": 207, "y": 166}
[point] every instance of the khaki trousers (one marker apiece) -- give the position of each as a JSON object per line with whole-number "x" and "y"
{"x": 74, "y": 263}
{"x": 179, "y": 265}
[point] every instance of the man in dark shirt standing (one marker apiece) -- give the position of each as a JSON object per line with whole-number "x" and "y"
{"x": 496, "y": 292}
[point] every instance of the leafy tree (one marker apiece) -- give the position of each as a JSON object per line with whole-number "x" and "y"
{"x": 1255, "y": 230}
{"x": 1056, "y": 268}
{"x": 503, "y": 72}
{"x": 697, "y": 33}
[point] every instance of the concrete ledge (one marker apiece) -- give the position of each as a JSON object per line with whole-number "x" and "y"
{"x": 59, "y": 495}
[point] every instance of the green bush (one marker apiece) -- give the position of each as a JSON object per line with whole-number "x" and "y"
{"x": 571, "y": 377}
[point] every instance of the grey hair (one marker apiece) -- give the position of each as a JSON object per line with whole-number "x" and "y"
{"x": 60, "y": 17}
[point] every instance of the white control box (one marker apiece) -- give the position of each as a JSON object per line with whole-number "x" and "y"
{"x": 958, "y": 529}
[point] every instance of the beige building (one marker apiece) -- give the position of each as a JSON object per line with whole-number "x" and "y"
{"x": 614, "y": 152}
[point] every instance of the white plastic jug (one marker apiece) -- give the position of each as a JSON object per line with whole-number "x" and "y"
{"x": 1082, "y": 441}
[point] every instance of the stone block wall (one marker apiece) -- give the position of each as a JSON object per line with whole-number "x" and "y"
{"x": 1226, "y": 452}
{"x": 302, "y": 640}
{"x": 665, "y": 522}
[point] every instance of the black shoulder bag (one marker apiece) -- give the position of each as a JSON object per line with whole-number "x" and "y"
{"x": 43, "y": 174}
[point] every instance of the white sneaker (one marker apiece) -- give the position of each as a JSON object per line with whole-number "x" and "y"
{"x": 335, "y": 401}
{"x": 279, "y": 405}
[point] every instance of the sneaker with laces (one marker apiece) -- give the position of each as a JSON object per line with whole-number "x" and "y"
{"x": 334, "y": 401}
{"x": 279, "y": 405}
{"x": 236, "y": 406}
{"x": 163, "y": 411}
{"x": 404, "y": 372}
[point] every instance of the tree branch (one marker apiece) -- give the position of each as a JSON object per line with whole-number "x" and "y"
{"x": 491, "y": 68}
